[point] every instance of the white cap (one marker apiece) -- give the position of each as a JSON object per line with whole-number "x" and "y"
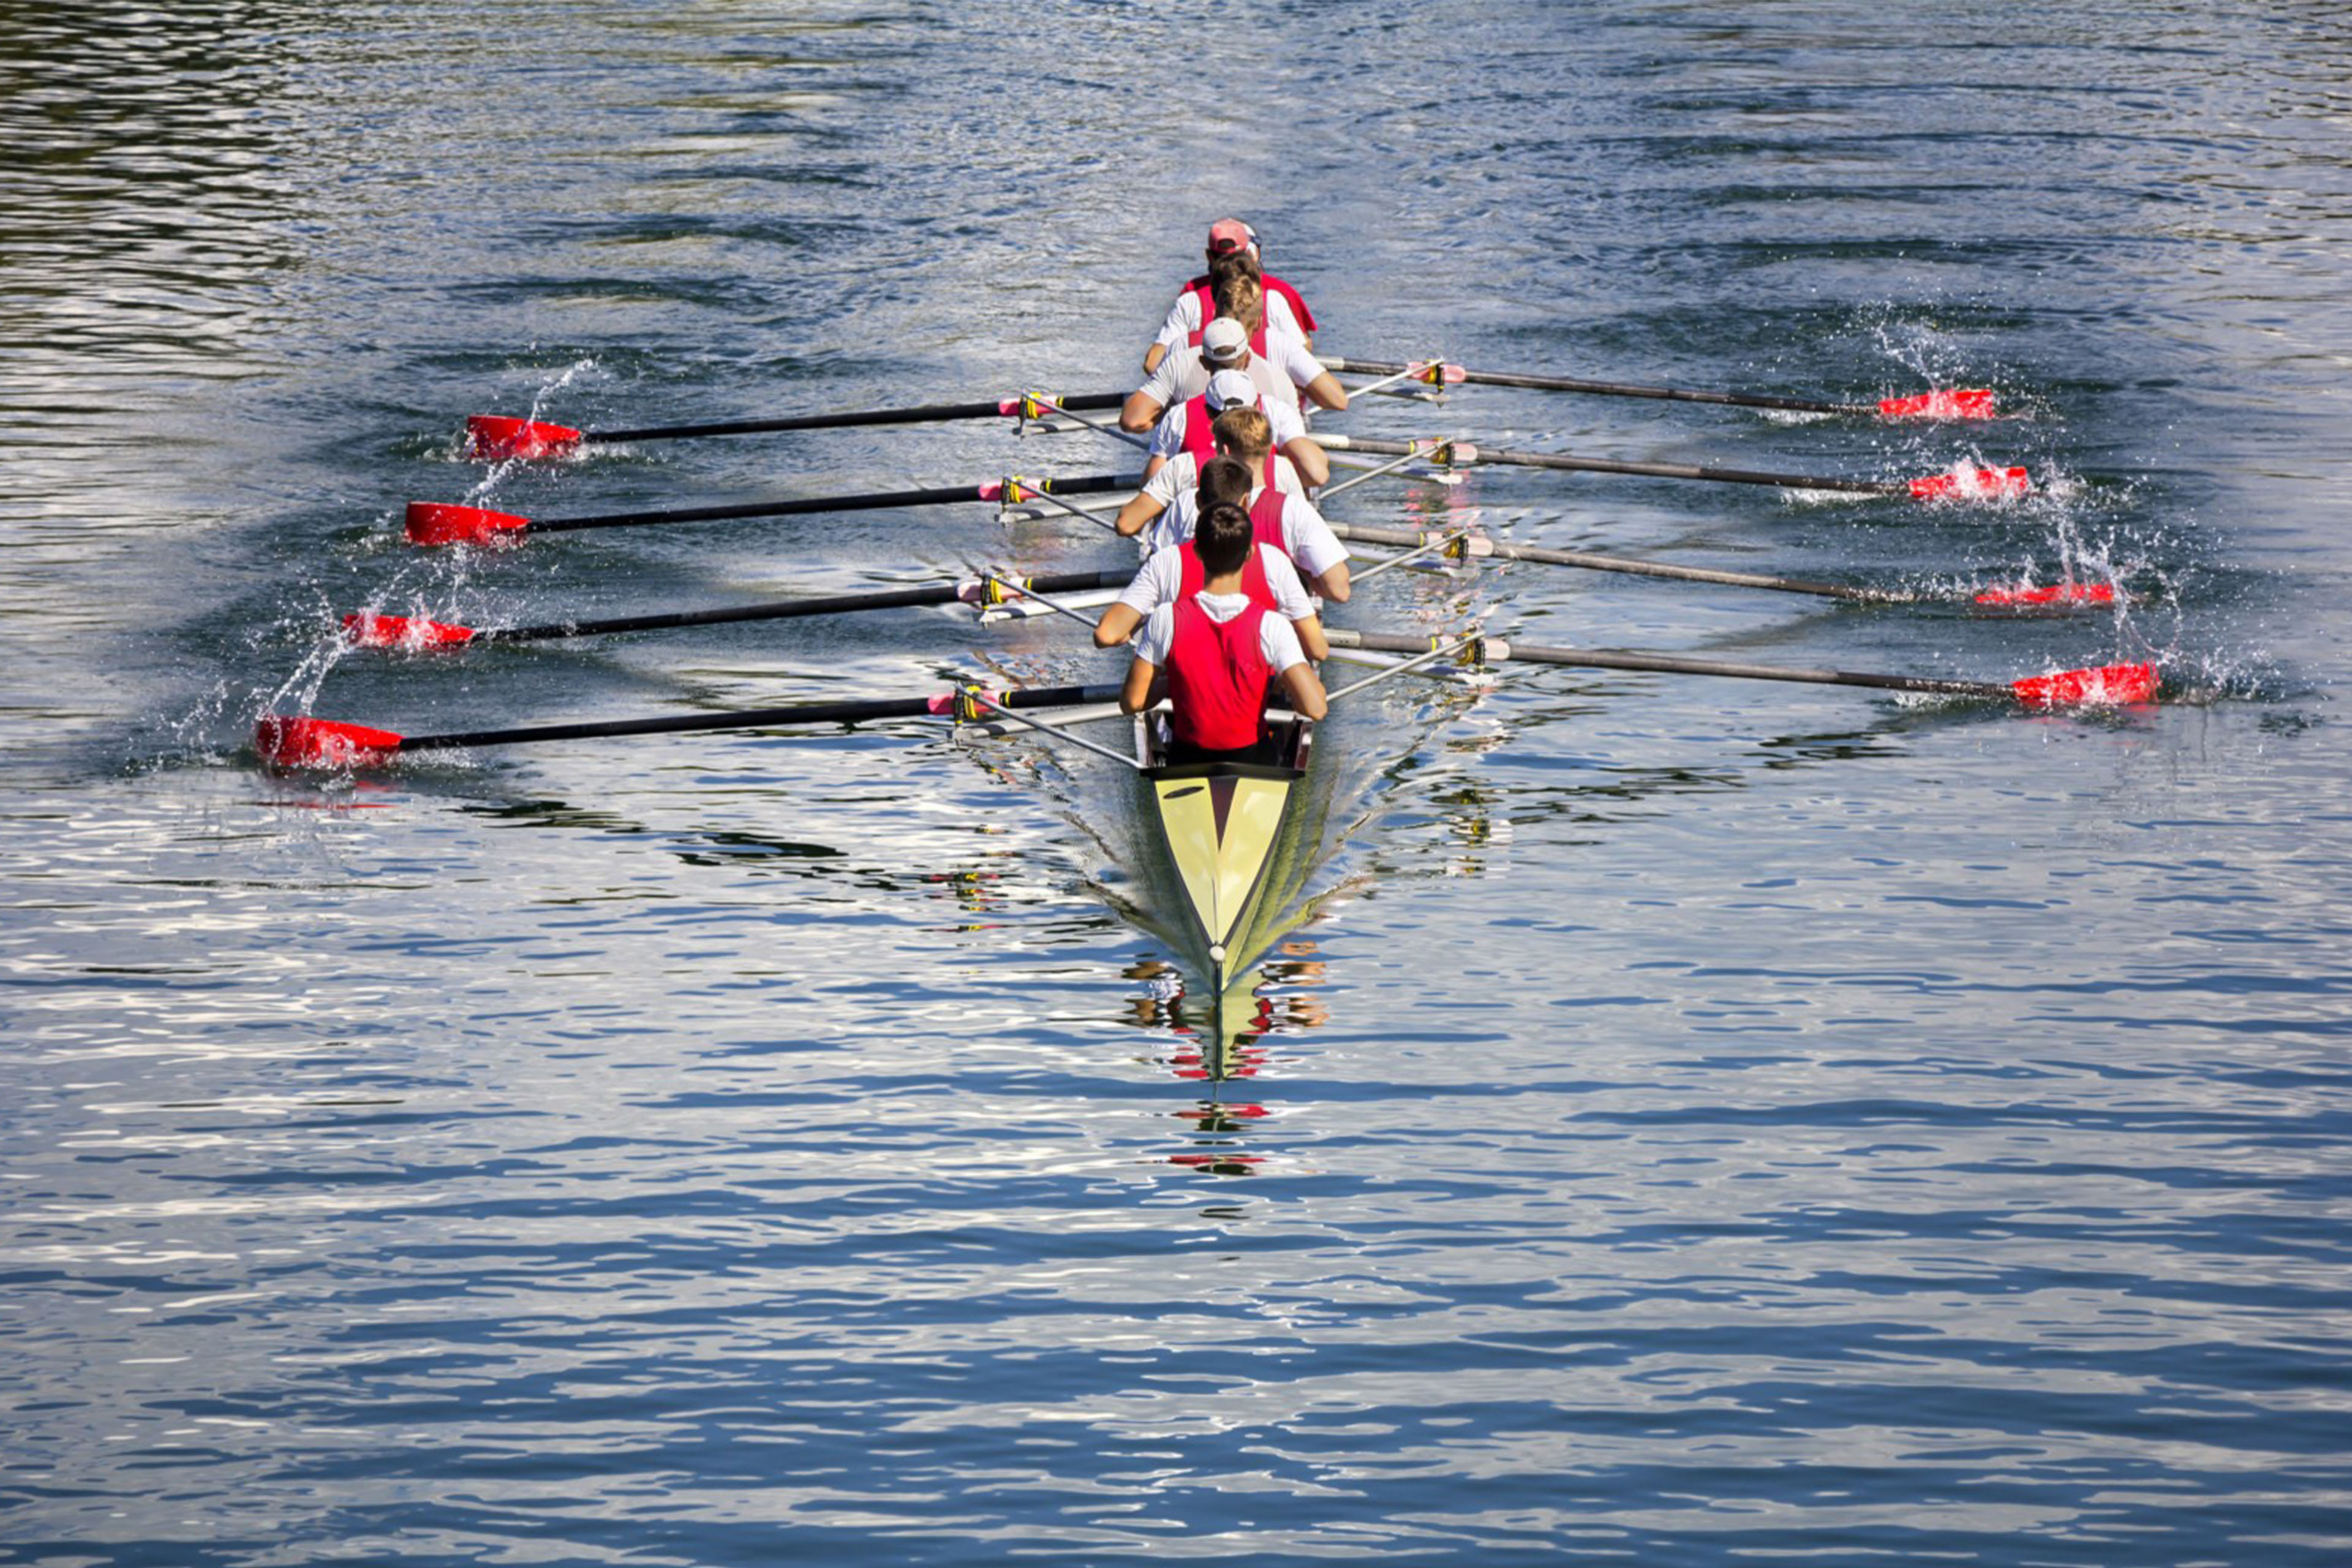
{"x": 1228, "y": 387}
{"x": 1222, "y": 341}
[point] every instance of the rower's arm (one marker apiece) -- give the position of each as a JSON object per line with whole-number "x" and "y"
{"x": 1314, "y": 466}
{"x": 1325, "y": 392}
{"x": 1332, "y": 582}
{"x": 1137, "y": 695}
{"x": 1117, "y": 624}
{"x": 1311, "y": 640}
{"x": 1153, "y": 355}
{"x": 1305, "y": 690}
{"x": 1141, "y": 507}
{"x": 1154, "y": 463}
{"x": 1141, "y": 411}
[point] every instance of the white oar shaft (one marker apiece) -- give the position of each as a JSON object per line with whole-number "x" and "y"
{"x": 1129, "y": 436}
{"x": 1059, "y": 733}
{"x": 1374, "y": 472}
{"x": 1433, "y": 545}
{"x": 1414, "y": 663}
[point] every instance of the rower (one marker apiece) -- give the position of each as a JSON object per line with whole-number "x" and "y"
{"x": 1184, "y": 428}
{"x": 1168, "y": 575}
{"x": 1213, "y": 651}
{"x": 1277, "y": 364}
{"x": 1287, "y": 521}
{"x": 1233, "y": 246}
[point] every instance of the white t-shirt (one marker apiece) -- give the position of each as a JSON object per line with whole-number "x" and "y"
{"x": 1313, "y": 547}
{"x": 1162, "y": 578}
{"x": 1279, "y": 372}
{"x": 1184, "y": 319}
{"x": 1168, "y": 436}
{"x": 1180, "y": 476}
{"x": 1278, "y": 641}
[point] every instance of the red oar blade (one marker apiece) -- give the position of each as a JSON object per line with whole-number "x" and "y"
{"x": 407, "y": 632}
{"x": 2109, "y": 685}
{"x": 1972, "y": 484}
{"x": 286, "y": 741}
{"x": 491, "y": 437}
{"x": 434, "y": 522}
{"x": 1963, "y": 402}
{"x": 2055, "y": 594}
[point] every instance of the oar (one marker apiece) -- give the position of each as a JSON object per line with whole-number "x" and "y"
{"x": 1964, "y": 484}
{"x": 434, "y": 522}
{"x": 1967, "y": 402}
{"x": 1471, "y": 547}
{"x": 496, "y": 438}
{"x": 2114, "y": 684}
{"x": 289, "y": 740}
{"x": 415, "y": 633}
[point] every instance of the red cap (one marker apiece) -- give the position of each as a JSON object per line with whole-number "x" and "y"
{"x": 1231, "y": 234}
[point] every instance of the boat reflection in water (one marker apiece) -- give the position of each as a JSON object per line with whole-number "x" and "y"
{"x": 1222, "y": 1040}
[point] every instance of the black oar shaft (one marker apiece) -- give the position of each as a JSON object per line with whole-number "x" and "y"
{"x": 924, "y": 415}
{"x": 1588, "y": 562}
{"x": 1610, "y": 466}
{"x": 1614, "y": 388}
{"x": 792, "y": 609}
{"x": 937, "y": 495}
{"x": 750, "y": 719}
{"x": 1676, "y": 664}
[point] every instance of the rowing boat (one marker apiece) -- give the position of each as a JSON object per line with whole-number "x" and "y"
{"x": 1219, "y": 824}
{"x": 1235, "y": 844}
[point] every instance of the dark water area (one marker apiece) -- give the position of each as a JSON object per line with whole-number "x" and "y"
{"x": 1691, "y": 1120}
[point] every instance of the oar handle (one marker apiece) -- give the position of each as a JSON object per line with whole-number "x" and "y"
{"x": 938, "y": 495}
{"x": 1464, "y": 452}
{"x": 792, "y": 609}
{"x": 753, "y": 719}
{"x": 1497, "y": 649}
{"x": 993, "y": 407}
{"x": 1607, "y": 388}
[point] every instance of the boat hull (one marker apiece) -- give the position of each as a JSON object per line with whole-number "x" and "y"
{"x": 1226, "y": 829}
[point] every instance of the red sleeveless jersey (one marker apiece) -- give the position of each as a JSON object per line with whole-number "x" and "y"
{"x": 1255, "y": 586}
{"x": 1265, "y": 519}
{"x": 1216, "y": 679}
{"x": 1271, "y": 285}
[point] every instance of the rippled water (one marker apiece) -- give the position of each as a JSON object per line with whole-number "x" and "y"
{"x": 1694, "y": 1120}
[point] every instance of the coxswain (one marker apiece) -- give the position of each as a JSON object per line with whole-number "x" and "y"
{"x": 1214, "y": 650}
{"x": 1184, "y": 428}
{"x": 1277, "y": 364}
{"x": 1232, "y": 244}
{"x": 1267, "y": 575}
{"x": 1283, "y": 518}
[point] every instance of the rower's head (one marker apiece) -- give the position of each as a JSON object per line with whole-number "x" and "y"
{"x": 1231, "y": 234}
{"x": 1234, "y": 264}
{"x": 1222, "y": 540}
{"x": 1224, "y": 345}
{"x": 1242, "y": 433}
{"x": 1240, "y": 297}
{"x": 1229, "y": 388}
{"x": 1223, "y": 482}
